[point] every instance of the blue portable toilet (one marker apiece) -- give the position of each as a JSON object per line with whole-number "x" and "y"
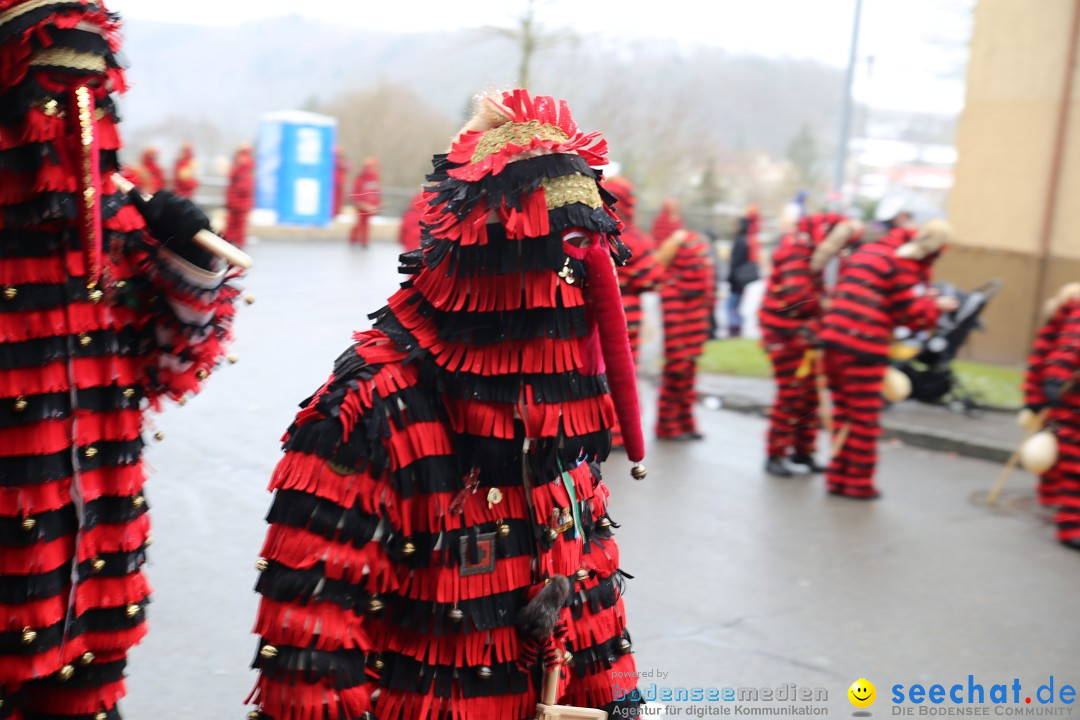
{"x": 294, "y": 167}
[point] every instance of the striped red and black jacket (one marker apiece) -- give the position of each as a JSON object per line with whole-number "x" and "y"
{"x": 876, "y": 293}
{"x": 793, "y": 295}
{"x": 688, "y": 295}
{"x": 1045, "y": 343}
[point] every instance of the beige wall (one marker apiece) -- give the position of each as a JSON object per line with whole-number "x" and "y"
{"x": 1006, "y": 144}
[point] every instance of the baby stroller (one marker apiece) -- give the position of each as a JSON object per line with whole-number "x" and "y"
{"x": 926, "y": 358}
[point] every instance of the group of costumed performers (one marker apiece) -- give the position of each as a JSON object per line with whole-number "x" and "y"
{"x": 100, "y": 320}
{"x": 239, "y": 196}
{"x": 367, "y": 198}
{"x": 1052, "y": 399}
{"x": 439, "y": 538}
{"x": 790, "y": 321}
{"x": 841, "y": 339}
{"x": 185, "y": 182}
{"x": 883, "y": 284}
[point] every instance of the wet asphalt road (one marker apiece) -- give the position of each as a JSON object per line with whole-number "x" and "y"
{"x": 740, "y": 580}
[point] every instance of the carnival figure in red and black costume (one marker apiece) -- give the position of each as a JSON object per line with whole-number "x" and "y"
{"x": 185, "y": 183}
{"x": 240, "y": 196}
{"x": 790, "y": 318}
{"x": 409, "y": 232}
{"x": 1052, "y": 395}
{"x": 341, "y": 179}
{"x": 884, "y": 284}
{"x": 98, "y": 321}
{"x": 667, "y": 221}
{"x": 449, "y": 468}
{"x": 153, "y": 173}
{"x": 367, "y": 198}
{"x": 688, "y": 299}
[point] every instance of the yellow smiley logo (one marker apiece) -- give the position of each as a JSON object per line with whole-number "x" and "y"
{"x": 862, "y": 693}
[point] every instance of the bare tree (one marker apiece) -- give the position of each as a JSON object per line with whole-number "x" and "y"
{"x": 530, "y": 36}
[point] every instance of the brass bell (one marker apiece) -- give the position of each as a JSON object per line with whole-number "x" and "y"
{"x": 624, "y": 646}
{"x": 378, "y": 664}
{"x": 254, "y": 715}
{"x": 582, "y": 575}
{"x": 375, "y": 605}
{"x": 138, "y": 501}
{"x": 551, "y": 534}
{"x": 121, "y": 284}
{"x": 87, "y": 658}
{"x": 101, "y": 716}
{"x": 249, "y": 299}
{"x": 66, "y": 672}
{"x": 503, "y": 530}
{"x": 638, "y": 471}
{"x": 261, "y": 564}
{"x": 129, "y": 392}
{"x": 201, "y": 374}
{"x": 28, "y": 524}
{"x": 159, "y": 436}
{"x": 605, "y": 522}
{"x": 455, "y": 615}
{"x": 567, "y": 657}
{"x": 10, "y": 292}
{"x": 97, "y": 565}
{"x": 84, "y": 340}
{"x": 132, "y": 610}
{"x": 181, "y": 400}
{"x": 268, "y": 651}
{"x": 20, "y": 404}
{"x": 90, "y": 451}
{"x": 408, "y": 549}
{"x": 28, "y": 636}
{"x": 484, "y": 672}
{"x": 95, "y": 296}
{"x": 232, "y": 359}
{"x": 149, "y": 541}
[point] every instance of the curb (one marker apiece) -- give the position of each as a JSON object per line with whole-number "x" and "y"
{"x": 910, "y": 435}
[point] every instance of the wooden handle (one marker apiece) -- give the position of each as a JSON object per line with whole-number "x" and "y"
{"x": 1014, "y": 459}
{"x": 206, "y": 239}
{"x": 551, "y": 685}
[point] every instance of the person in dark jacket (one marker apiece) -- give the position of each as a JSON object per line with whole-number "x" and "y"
{"x": 742, "y": 268}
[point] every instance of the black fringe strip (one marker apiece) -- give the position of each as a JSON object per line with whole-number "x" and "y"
{"x": 339, "y": 669}
{"x": 94, "y": 675}
{"x": 97, "y": 620}
{"x": 598, "y": 658}
{"x": 35, "y": 469}
{"x": 25, "y": 588}
{"x": 516, "y": 544}
{"x": 54, "y": 524}
{"x": 287, "y": 585}
{"x": 57, "y": 206}
{"x": 407, "y": 674}
{"x": 296, "y": 509}
{"x": 490, "y": 328}
{"x": 56, "y": 406}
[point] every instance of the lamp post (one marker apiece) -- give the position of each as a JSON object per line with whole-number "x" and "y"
{"x": 845, "y": 113}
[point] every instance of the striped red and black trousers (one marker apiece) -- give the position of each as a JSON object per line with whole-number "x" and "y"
{"x": 632, "y": 306}
{"x": 855, "y": 387}
{"x": 675, "y": 414}
{"x": 90, "y": 692}
{"x": 1066, "y": 422}
{"x": 793, "y": 419}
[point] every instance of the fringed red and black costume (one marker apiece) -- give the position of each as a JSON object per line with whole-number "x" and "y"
{"x": 240, "y": 196}
{"x": 367, "y": 197}
{"x": 688, "y": 297}
{"x": 876, "y": 292}
{"x": 450, "y": 465}
{"x": 153, "y": 173}
{"x": 1053, "y": 381}
{"x": 185, "y": 183}
{"x": 98, "y": 321}
{"x": 341, "y": 179}
{"x": 409, "y": 232}
{"x": 790, "y": 318}
{"x": 1057, "y": 312}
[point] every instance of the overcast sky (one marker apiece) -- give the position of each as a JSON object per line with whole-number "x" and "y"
{"x": 917, "y": 46}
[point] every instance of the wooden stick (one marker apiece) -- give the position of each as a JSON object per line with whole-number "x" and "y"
{"x": 1014, "y": 460}
{"x": 823, "y": 391}
{"x": 208, "y": 240}
{"x": 839, "y": 440}
{"x": 551, "y": 685}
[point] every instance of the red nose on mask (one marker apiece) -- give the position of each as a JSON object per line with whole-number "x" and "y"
{"x": 605, "y": 305}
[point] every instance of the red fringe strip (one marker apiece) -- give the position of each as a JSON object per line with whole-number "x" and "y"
{"x": 74, "y": 318}
{"x": 311, "y": 474}
{"x": 498, "y": 645}
{"x": 117, "y": 640}
{"x": 532, "y": 289}
{"x": 598, "y": 689}
{"x": 17, "y": 669}
{"x": 398, "y": 705}
{"x": 50, "y": 270}
{"x": 323, "y": 625}
{"x": 445, "y": 584}
{"x": 52, "y": 436}
{"x": 529, "y": 222}
{"x": 101, "y": 593}
{"x": 302, "y": 701}
{"x": 33, "y": 499}
{"x": 302, "y": 550}
{"x": 114, "y": 538}
{"x": 90, "y": 372}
